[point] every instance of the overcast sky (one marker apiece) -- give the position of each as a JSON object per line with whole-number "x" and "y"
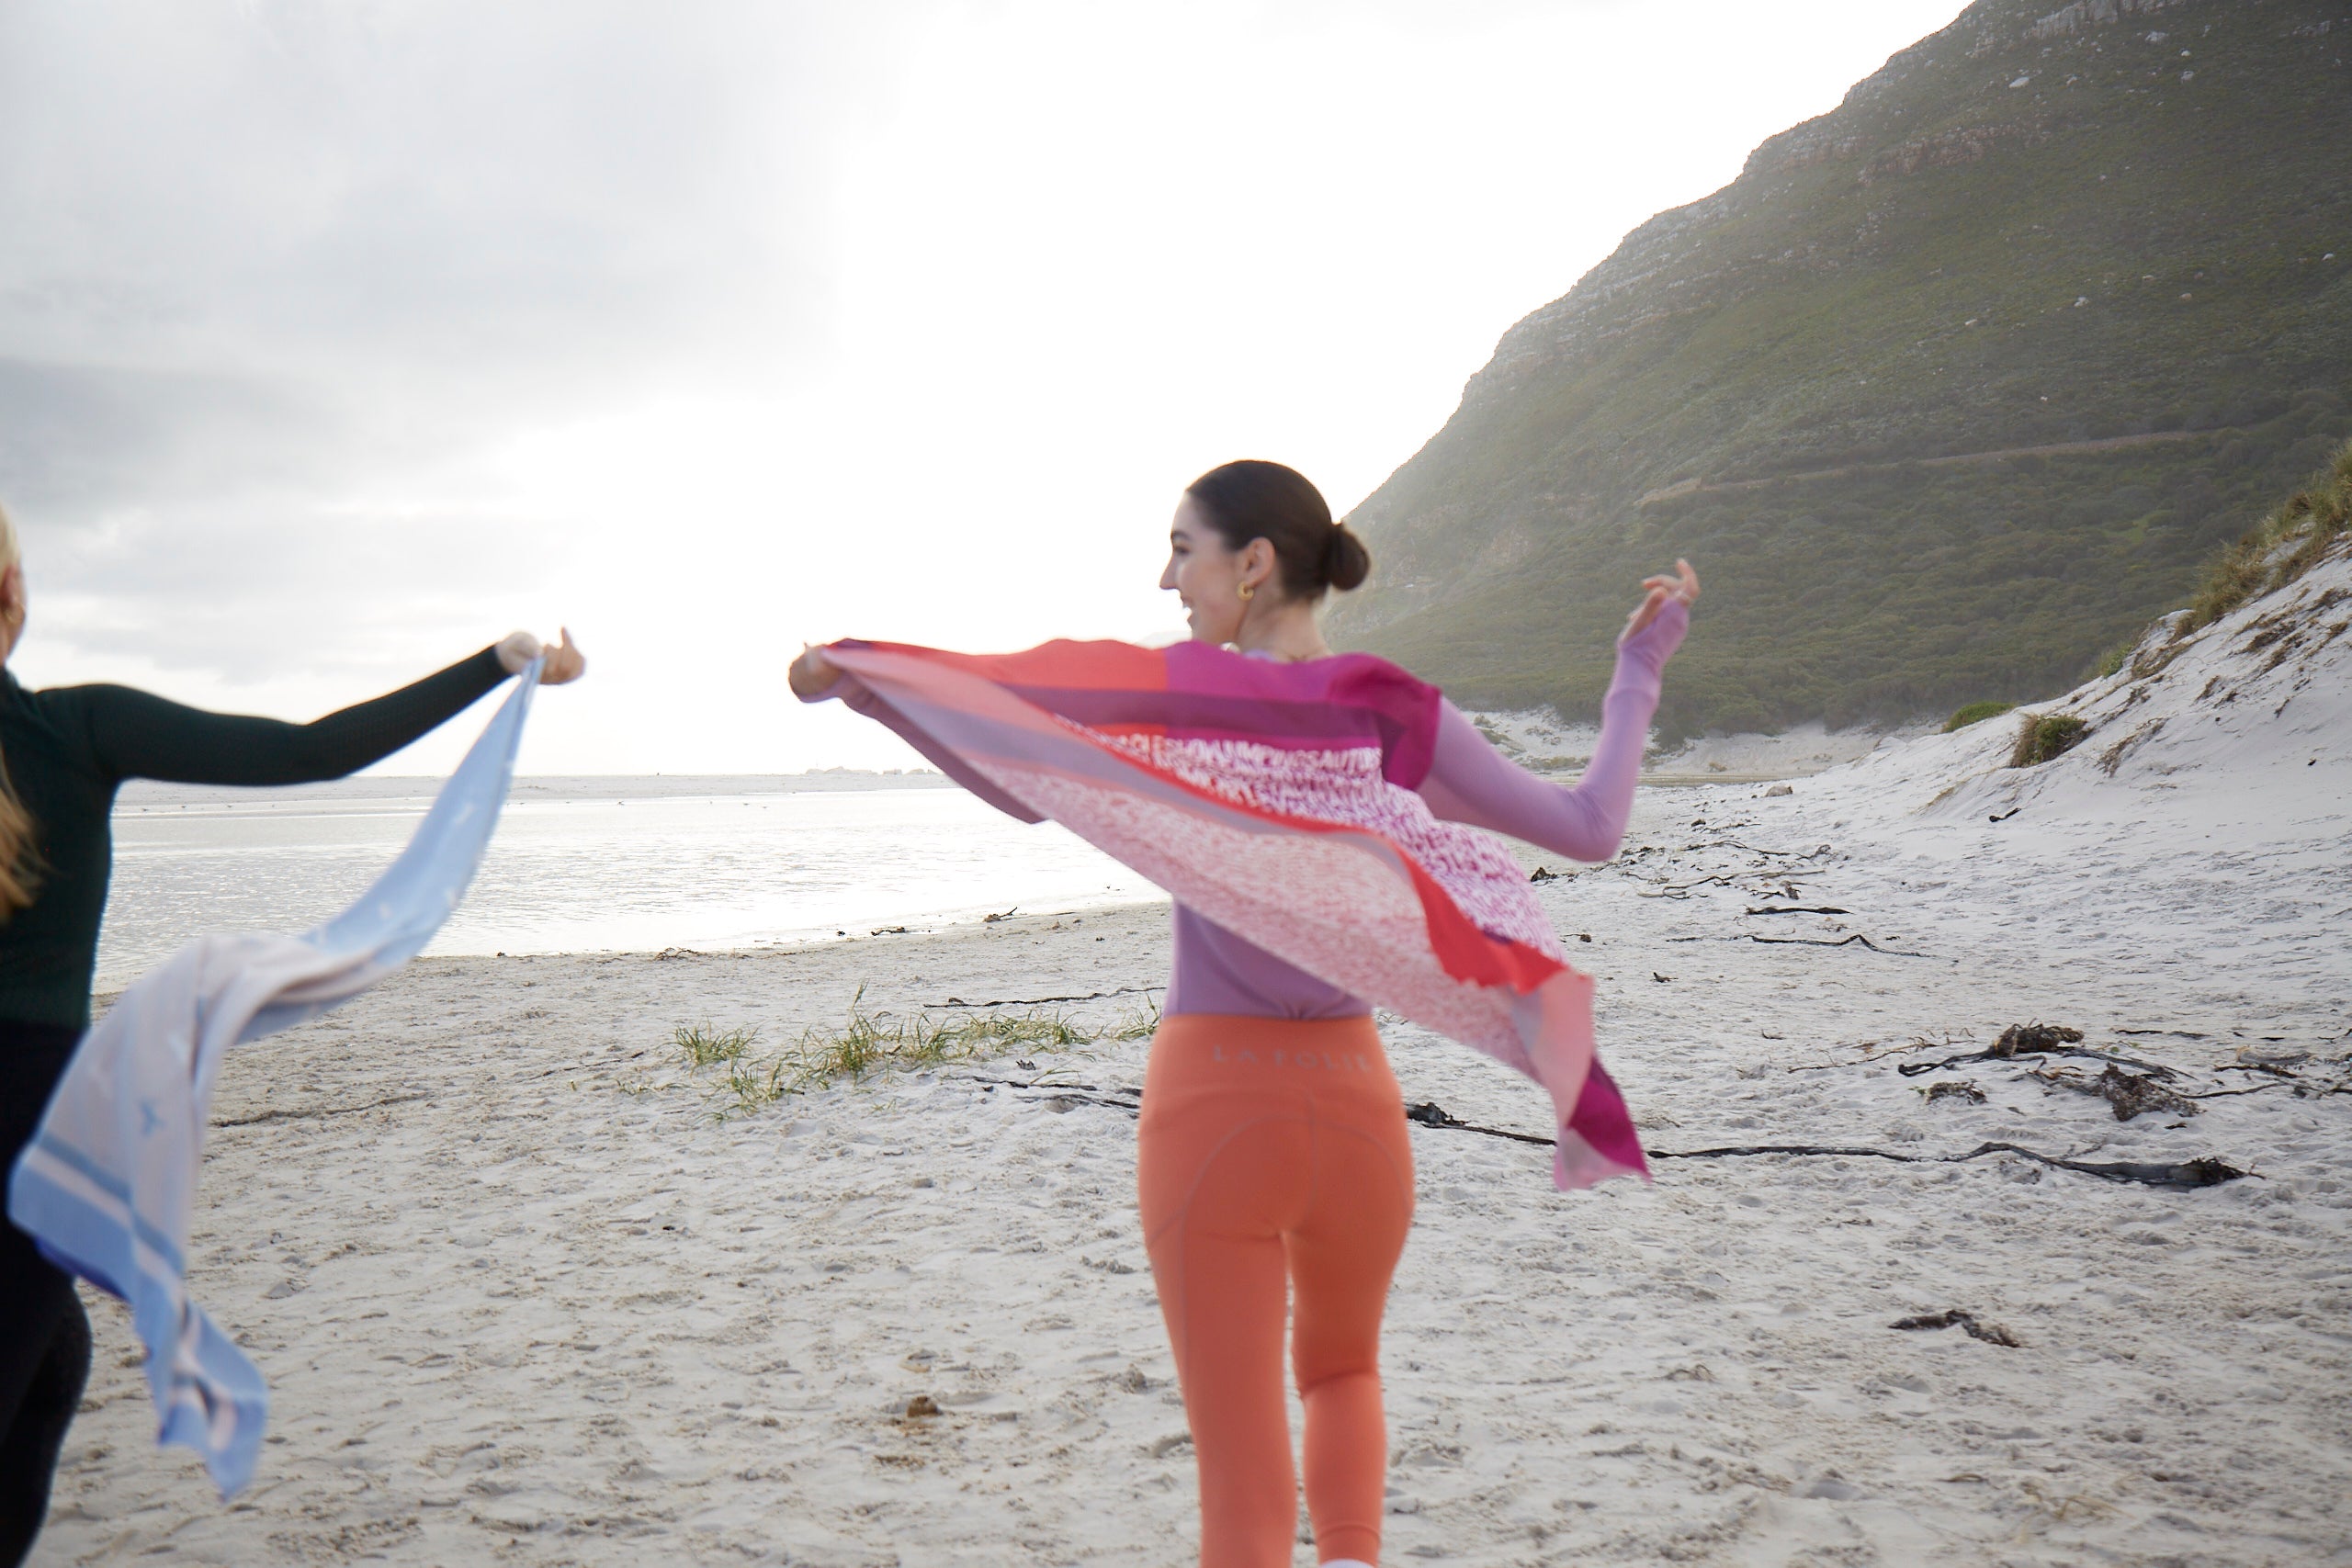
{"x": 338, "y": 340}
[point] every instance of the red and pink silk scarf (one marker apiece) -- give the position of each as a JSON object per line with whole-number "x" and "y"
{"x": 1278, "y": 801}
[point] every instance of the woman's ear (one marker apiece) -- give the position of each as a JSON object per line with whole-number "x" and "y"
{"x": 1260, "y": 565}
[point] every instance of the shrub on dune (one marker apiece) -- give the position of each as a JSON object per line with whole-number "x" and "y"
{"x": 2043, "y": 737}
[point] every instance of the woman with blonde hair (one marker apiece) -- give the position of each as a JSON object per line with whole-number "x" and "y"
{"x": 1316, "y": 817}
{"x": 64, "y": 751}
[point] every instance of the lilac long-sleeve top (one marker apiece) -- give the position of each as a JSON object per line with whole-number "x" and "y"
{"x": 1468, "y": 781}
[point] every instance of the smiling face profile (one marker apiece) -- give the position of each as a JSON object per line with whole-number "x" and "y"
{"x": 1207, "y": 574}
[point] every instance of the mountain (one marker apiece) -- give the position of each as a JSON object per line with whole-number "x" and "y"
{"x": 1946, "y": 396}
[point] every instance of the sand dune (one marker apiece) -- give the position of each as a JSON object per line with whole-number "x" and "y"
{"x": 523, "y": 1299}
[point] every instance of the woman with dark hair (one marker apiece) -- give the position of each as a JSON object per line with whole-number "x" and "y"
{"x": 1315, "y": 815}
{"x": 64, "y": 753}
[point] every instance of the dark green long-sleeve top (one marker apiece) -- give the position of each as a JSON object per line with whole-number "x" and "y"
{"x": 68, "y": 750}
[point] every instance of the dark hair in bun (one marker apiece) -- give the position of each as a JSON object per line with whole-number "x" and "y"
{"x": 1255, "y": 499}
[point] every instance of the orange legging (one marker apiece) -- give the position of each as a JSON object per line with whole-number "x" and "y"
{"x": 1274, "y": 1147}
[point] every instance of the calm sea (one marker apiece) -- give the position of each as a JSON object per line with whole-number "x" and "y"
{"x": 590, "y": 865}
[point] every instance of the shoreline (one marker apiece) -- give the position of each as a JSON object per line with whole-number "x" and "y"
{"x": 469, "y": 937}
{"x": 363, "y": 787}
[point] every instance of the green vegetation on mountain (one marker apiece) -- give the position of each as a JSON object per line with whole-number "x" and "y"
{"x": 1954, "y": 389}
{"x": 1976, "y": 712}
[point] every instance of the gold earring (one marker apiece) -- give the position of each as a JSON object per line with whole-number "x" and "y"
{"x": 1246, "y": 589}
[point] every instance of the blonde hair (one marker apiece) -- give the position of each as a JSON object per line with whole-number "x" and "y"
{"x": 19, "y": 860}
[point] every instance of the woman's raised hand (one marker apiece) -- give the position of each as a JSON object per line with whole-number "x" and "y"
{"x": 565, "y": 662}
{"x": 1682, "y": 588}
{"x": 812, "y": 674}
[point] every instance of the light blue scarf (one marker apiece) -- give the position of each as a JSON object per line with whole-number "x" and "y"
{"x": 107, "y": 1184}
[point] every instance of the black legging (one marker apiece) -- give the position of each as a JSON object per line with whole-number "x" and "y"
{"x": 44, "y": 1337}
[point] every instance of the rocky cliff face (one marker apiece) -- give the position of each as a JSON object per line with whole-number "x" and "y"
{"x": 1947, "y": 393}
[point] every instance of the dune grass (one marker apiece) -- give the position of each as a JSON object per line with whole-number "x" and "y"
{"x": 867, "y": 1042}
{"x": 706, "y": 1045}
{"x": 2286, "y": 544}
{"x": 2046, "y": 737}
{"x": 1141, "y": 1024}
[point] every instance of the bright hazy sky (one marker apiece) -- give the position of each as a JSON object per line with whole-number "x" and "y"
{"x": 337, "y": 339}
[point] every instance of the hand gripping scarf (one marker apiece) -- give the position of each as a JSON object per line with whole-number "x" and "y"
{"x": 108, "y": 1184}
{"x": 1278, "y": 801}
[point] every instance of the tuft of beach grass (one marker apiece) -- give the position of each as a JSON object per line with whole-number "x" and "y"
{"x": 1141, "y": 1023}
{"x": 867, "y": 1042}
{"x": 707, "y": 1047}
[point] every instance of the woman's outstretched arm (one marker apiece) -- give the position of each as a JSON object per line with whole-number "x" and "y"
{"x": 815, "y": 679}
{"x": 136, "y": 734}
{"x": 1470, "y": 781}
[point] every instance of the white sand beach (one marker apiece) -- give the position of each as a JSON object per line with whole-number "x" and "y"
{"x": 521, "y": 1297}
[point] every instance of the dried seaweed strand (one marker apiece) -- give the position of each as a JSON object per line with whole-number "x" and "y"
{"x": 1843, "y": 942}
{"x": 1041, "y": 1001}
{"x": 2205, "y": 1171}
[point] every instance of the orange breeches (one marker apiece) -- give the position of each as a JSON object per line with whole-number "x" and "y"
{"x": 1273, "y": 1162}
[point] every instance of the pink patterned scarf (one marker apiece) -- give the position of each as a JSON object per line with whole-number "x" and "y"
{"x": 1278, "y": 801}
